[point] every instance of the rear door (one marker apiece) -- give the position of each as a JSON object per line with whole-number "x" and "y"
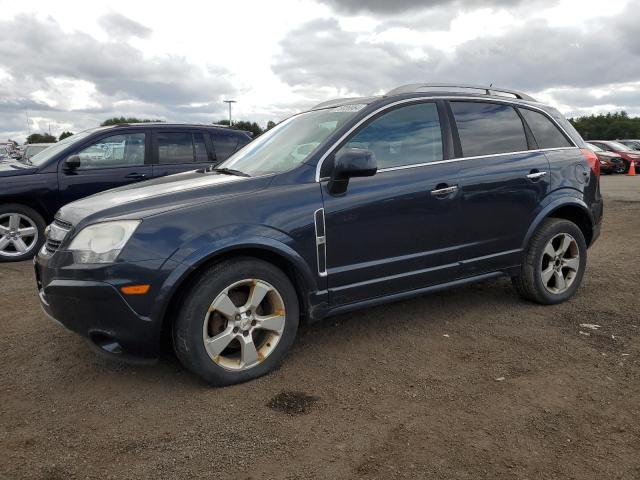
{"x": 110, "y": 161}
{"x": 503, "y": 179}
{"x": 180, "y": 150}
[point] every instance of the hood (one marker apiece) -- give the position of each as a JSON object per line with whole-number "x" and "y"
{"x": 162, "y": 194}
{"x": 10, "y": 168}
{"x": 604, "y": 155}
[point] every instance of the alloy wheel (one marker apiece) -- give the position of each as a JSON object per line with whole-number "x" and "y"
{"x": 18, "y": 234}
{"x": 244, "y": 324}
{"x": 560, "y": 263}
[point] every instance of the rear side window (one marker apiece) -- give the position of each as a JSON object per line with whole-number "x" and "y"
{"x": 404, "y": 136}
{"x": 200, "y": 148}
{"x": 488, "y": 128}
{"x": 547, "y": 135}
{"x": 181, "y": 147}
{"x": 224, "y": 143}
{"x": 175, "y": 147}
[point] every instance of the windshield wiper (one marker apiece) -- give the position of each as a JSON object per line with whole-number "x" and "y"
{"x": 229, "y": 171}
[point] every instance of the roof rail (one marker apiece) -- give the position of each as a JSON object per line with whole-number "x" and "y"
{"x": 415, "y": 87}
{"x": 334, "y": 103}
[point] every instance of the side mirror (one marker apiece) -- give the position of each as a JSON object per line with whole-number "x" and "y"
{"x": 348, "y": 163}
{"x": 72, "y": 163}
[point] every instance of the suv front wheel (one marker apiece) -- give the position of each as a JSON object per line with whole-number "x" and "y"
{"x": 21, "y": 232}
{"x": 554, "y": 263}
{"x": 237, "y": 322}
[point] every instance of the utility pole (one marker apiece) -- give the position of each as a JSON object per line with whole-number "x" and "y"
{"x": 229, "y": 102}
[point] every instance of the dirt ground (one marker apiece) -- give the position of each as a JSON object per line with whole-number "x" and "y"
{"x": 468, "y": 384}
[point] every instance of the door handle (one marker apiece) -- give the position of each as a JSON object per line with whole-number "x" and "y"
{"x": 443, "y": 192}
{"x": 136, "y": 176}
{"x": 536, "y": 175}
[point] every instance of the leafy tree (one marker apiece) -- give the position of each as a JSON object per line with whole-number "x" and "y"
{"x": 120, "y": 120}
{"x": 64, "y": 135}
{"x": 610, "y": 126}
{"x": 270, "y": 125}
{"x": 251, "y": 127}
{"x": 41, "y": 138}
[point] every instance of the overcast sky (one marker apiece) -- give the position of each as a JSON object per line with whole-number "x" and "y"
{"x": 71, "y": 65}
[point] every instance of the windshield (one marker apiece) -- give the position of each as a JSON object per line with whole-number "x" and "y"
{"x": 55, "y": 148}
{"x": 593, "y": 147}
{"x": 619, "y": 146}
{"x": 289, "y": 143}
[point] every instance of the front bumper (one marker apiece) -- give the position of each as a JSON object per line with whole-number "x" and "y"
{"x": 98, "y": 311}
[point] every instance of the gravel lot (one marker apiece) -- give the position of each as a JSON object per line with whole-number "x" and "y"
{"x": 467, "y": 384}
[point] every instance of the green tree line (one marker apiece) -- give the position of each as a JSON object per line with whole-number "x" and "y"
{"x": 610, "y": 126}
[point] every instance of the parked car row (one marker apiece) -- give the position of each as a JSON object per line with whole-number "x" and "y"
{"x": 616, "y": 156}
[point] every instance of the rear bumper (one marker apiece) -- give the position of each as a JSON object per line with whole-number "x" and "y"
{"x": 97, "y": 311}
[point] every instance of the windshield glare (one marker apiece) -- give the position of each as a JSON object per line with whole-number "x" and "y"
{"x": 55, "y": 148}
{"x": 288, "y": 144}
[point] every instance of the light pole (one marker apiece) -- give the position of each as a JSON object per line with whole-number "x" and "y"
{"x": 229, "y": 102}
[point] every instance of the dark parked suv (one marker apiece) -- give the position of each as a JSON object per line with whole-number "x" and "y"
{"x": 351, "y": 204}
{"x": 32, "y": 190}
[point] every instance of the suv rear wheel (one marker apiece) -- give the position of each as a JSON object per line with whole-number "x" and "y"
{"x": 21, "y": 232}
{"x": 237, "y": 322}
{"x": 554, "y": 263}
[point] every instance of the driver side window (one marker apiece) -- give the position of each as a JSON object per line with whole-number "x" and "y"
{"x": 124, "y": 150}
{"x": 404, "y": 136}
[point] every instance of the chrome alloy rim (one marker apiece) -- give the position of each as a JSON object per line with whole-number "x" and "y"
{"x": 560, "y": 263}
{"x": 244, "y": 324}
{"x": 18, "y": 234}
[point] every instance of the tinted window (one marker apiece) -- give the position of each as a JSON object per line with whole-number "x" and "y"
{"x": 175, "y": 147}
{"x": 224, "y": 143}
{"x": 114, "y": 151}
{"x": 488, "y": 128}
{"x": 404, "y": 136}
{"x": 200, "y": 148}
{"x": 547, "y": 135}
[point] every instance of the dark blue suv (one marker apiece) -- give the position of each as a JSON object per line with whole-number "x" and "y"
{"x": 32, "y": 190}
{"x": 351, "y": 204}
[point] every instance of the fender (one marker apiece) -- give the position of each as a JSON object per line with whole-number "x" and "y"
{"x": 562, "y": 201}
{"x": 224, "y": 240}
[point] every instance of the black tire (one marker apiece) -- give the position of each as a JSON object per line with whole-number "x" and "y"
{"x": 188, "y": 340}
{"x": 36, "y": 219}
{"x": 529, "y": 283}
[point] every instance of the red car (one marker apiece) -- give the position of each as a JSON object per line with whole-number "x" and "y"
{"x": 627, "y": 154}
{"x": 609, "y": 162}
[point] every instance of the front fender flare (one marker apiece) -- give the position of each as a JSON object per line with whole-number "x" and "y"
{"x": 190, "y": 257}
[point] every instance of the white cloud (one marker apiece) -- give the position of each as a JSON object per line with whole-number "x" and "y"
{"x": 73, "y": 64}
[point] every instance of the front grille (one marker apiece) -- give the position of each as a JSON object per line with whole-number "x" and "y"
{"x": 52, "y": 245}
{"x": 56, "y": 234}
{"x": 62, "y": 224}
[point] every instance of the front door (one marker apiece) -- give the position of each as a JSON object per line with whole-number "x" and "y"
{"x": 392, "y": 232}
{"x": 111, "y": 161}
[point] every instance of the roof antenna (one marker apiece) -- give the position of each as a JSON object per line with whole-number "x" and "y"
{"x": 490, "y": 85}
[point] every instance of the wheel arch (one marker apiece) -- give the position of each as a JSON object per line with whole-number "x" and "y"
{"x": 571, "y": 209}
{"x": 291, "y": 265}
{"x": 32, "y": 203}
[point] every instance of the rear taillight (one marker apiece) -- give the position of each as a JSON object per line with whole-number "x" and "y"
{"x": 592, "y": 158}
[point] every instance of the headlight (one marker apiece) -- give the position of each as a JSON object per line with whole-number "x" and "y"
{"x": 102, "y": 242}
{"x": 602, "y": 162}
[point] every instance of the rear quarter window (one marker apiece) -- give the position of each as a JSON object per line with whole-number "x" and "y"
{"x": 488, "y": 128}
{"x": 546, "y": 133}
